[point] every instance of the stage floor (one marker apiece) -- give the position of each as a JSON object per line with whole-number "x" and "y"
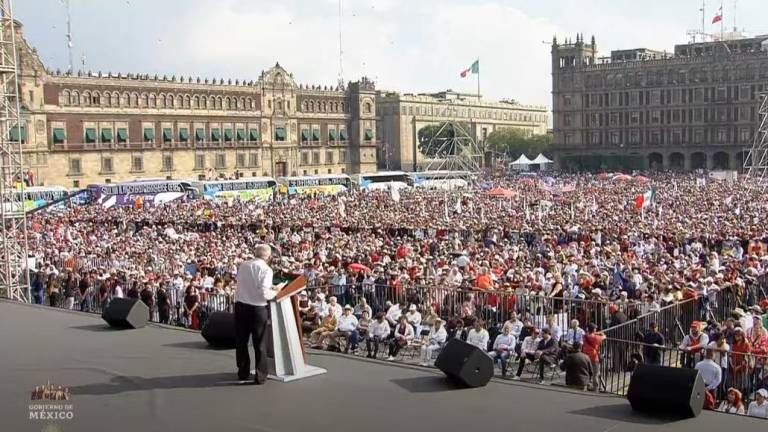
{"x": 161, "y": 379}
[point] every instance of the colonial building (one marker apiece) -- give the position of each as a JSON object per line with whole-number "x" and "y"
{"x": 106, "y": 127}
{"x": 693, "y": 108}
{"x": 401, "y": 116}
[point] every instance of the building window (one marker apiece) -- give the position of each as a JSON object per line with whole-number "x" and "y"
{"x": 137, "y": 163}
{"x": 305, "y": 158}
{"x": 746, "y": 135}
{"x": 280, "y": 133}
{"x": 615, "y": 138}
{"x": 221, "y": 161}
{"x": 343, "y": 156}
{"x": 76, "y": 184}
{"x": 315, "y": 158}
{"x": 75, "y": 166}
{"x": 634, "y": 137}
{"x": 367, "y": 108}
{"x": 90, "y": 135}
{"x": 168, "y": 162}
{"x": 722, "y": 135}
{"x": 329, "y": 157}
{"x": 199, "y": 162}
{"x": 253, "y": 159}
{"x": 304, "y": 135}
{"x": 698, "y": 136}
{"x": 240, "y": 162}
{"x": 677, "y": 137}
{"x": 567, "y": 119}
{"x": 106, "y": 165}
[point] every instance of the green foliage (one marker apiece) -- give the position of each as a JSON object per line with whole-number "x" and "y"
{"x": 514, "y": 142}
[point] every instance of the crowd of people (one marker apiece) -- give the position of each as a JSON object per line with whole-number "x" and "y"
{"x": 459, "y": 259}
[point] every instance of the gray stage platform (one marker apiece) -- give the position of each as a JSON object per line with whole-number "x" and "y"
{"x": 161, "y": 379}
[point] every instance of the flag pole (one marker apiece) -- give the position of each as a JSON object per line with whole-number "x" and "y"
{"x": 478, "y": 79}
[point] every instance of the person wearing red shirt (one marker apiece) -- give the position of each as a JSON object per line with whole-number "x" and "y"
{"x": 591, "y": 347}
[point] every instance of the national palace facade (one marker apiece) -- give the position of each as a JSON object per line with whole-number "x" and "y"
{"x": 690, "y": 109}
{"x": 96, "y": 127}
{"x": 105, "y": 127}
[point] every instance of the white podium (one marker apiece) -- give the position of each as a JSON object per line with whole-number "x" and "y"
{"x": 289, "y": 360}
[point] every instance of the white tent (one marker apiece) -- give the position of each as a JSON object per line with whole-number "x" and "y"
{"x": 522, "y": 163}
{"x": 541, "y": 159}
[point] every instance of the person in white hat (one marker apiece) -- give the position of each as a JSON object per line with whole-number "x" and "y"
{"x": 414, "y": 318}
{"x": 759, "y": 407}
{"x": 435, "y": 340}
{"x": 347, "y": 328}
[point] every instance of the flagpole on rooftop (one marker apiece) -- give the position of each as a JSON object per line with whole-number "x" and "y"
{"x": 478, "y": 79}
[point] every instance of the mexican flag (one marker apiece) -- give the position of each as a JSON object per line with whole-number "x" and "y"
{"x": 645, "y": 200}
{"x": 474, "y": 69}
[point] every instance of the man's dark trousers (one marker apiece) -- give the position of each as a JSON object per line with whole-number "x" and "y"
{"x": 251, "y": 322}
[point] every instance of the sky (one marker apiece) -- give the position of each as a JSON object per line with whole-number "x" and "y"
{"x": 410, "y": 46}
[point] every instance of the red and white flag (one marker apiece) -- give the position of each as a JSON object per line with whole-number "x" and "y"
{"x": 719, "y": 16}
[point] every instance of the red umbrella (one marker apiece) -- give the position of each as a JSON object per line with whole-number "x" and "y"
{"x": 359, "y": 268}
{"x": 501, "y": 193}
{"x": 602, "y": 176}
{"x": 641, "y": 179}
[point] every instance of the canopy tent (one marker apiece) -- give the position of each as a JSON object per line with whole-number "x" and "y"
{"x": 541, "y": 159}
{"x": 501, "y": 193}
{"x": 522, "y": 161}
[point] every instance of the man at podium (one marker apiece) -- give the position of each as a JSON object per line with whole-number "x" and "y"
{"x": 254, "y": 290}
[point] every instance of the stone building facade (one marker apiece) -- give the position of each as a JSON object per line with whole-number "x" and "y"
{"x": 401, "y": 116}
{"x": 96, "y": 128}
{"x": 693, "y": 108}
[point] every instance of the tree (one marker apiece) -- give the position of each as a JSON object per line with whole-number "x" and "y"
{"x": 514, "y": 142}
{"x": 430, "y": 142}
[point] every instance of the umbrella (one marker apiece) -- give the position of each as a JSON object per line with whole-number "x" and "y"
{"x": 462, "y": 261}
{"x": 621, "y": 177}
{"x": 641, "y": 179}
{"x": 359, "y": 268}
{"x": 602, "y": 176}
{"x": 502, "y": 193}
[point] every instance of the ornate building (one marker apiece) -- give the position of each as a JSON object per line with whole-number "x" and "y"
{"x": 694, "y": 108}
{"x": 401, "y": 116}
{"x": 96, "y": 128}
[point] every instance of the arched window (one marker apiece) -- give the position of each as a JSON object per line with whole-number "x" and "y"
{"x": 152, "y": 100}
{"x": 75, "y": 100}
{"x": 325, "y": 106}
{"x": 95, "y": 99}
{"x": 108, "y": 99}
{"x": 179, "y": 101}
{"x": 242, "y": 103}
{"x": 342, "y": 107}
{"x": 144, "y": 100}
{"x": 204, "y": 102}
{"x": 115, "y": 99}
{"x": 219, "y": 104}
{"x": 169, "y": 101}
{"x": 367, "y": 107}
{"x": 312, "y": 106}
{"x": 86, "y": 98}
{"x": 64, "y": 99}
{"x": 228, "y": 103}
{"x": 196, "y": 102}
{"x": 280, "y": 105}
{"x": 187, "y": 101}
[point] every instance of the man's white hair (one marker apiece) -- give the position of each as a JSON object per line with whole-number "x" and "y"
{"x": 262, "y": 251}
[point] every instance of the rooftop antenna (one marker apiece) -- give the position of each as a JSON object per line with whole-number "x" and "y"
{"x": 69, "y": 37}
{"x": 735, "y": 2}
{"x": 341, "y": 51}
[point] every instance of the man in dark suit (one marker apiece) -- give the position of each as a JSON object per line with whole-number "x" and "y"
{"x": 652, "y": 339}
{"x": 546, "y": 352}
{"x": 578, "y": 368}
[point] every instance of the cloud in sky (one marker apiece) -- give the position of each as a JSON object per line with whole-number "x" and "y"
{"x": 404, "y": 45}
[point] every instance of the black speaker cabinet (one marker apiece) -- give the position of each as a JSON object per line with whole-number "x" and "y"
{"x": 219, "y": 330}
{"x": 465, "y": 364}
{"x": 126, "y": 313}
{"x": 675, "y": 392}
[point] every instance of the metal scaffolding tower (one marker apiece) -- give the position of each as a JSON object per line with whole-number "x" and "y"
{"x": 14, "y": 282}
{"x": 452, "y": 149}
{"x": 756, "y": 161}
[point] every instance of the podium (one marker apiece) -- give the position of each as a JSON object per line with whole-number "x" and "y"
{"x": 289, "y": 361}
